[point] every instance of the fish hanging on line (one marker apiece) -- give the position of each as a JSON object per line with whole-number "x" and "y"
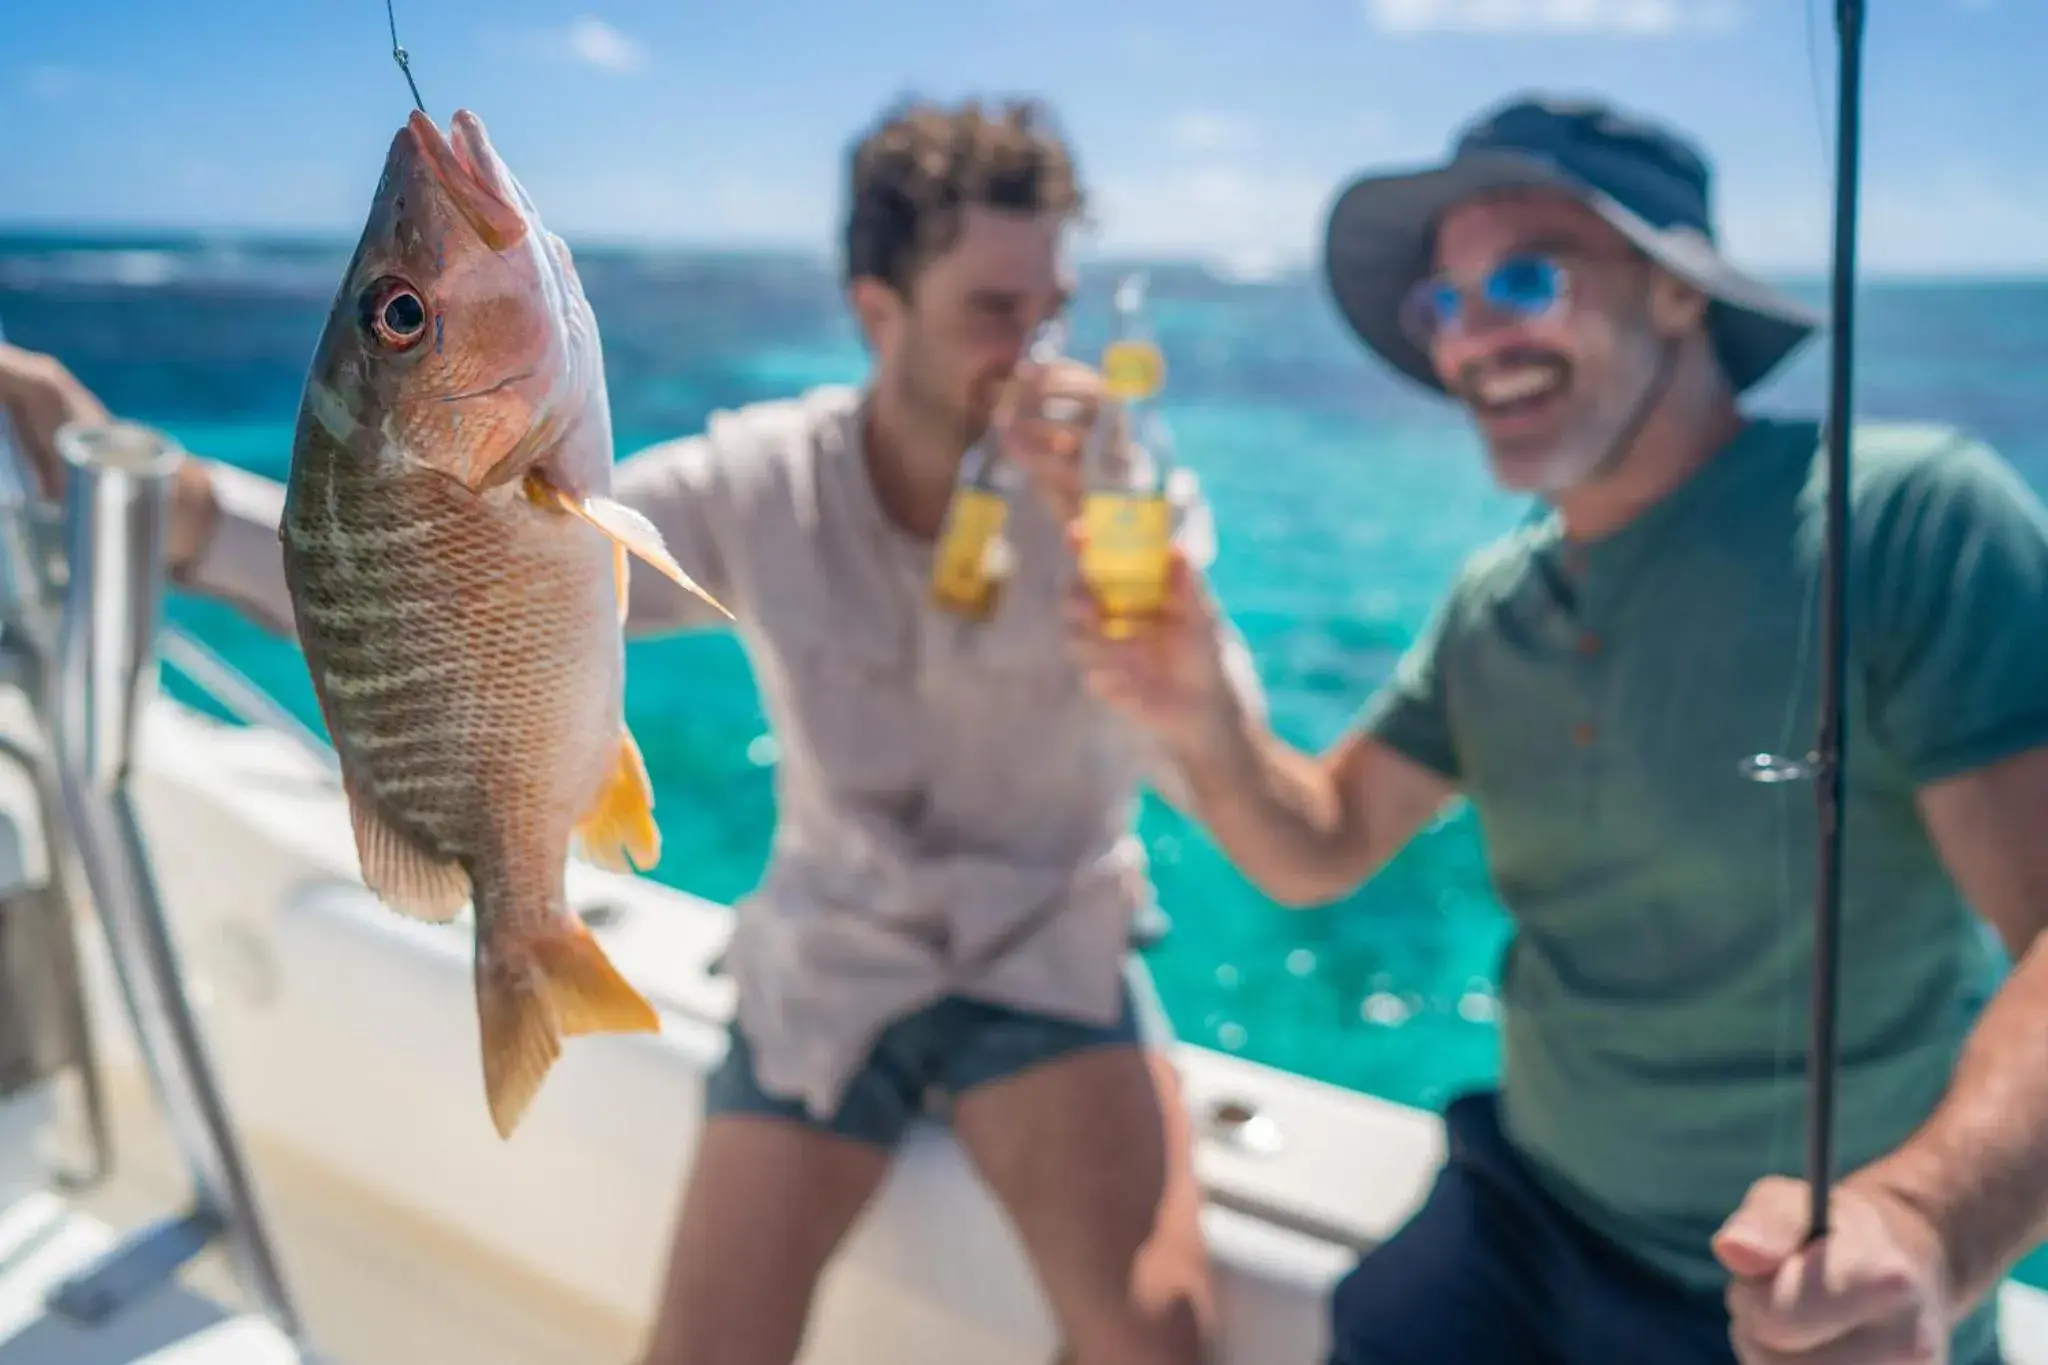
{"x": 458, "y": 576}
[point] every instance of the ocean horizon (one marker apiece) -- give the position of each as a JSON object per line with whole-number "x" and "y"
{"x": 34, "y": 234}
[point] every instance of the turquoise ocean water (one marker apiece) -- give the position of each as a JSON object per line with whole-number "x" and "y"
{"x": 1344, "y": 503}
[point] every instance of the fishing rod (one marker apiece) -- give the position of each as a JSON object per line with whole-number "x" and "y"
{"x": 1834, "y": 636}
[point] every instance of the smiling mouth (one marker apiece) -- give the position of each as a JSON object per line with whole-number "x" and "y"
{"x": 1516, "y": 390}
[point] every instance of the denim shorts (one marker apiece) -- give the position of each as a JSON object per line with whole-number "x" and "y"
{"x": 923, "y": 1061}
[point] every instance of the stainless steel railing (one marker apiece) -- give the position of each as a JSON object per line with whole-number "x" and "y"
{"x": 117, "y": 488}
{"x": 81, "y": 598}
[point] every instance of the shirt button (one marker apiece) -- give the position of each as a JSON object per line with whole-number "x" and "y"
{"x": 1582, "y": 734}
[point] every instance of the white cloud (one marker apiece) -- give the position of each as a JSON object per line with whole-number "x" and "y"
{"x": 585, "y": 41}
{"x": 1239, "y": 201}
{"x": 595, "y": 43}
{"x": 1249, "y": 220}
{"x": 1200, "y": 131}
{"x": 1955, "y": 220}
{"x": 1243, "y": 213}
{"x": 1961, "y": 219}
{"x": 1371, "y": 129}
{"x": 1619, "y": 18}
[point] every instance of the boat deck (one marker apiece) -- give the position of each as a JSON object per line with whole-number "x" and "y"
{"x": 372, "y": 1284}
{"x": 43, "y": 1239}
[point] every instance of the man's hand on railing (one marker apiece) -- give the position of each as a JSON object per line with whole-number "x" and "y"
{"x": 41, "y": 396}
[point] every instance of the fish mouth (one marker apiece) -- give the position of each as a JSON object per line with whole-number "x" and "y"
{"x": 465, "y": 166}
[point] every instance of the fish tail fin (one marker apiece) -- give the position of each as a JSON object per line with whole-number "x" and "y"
{"x": 618, "y": 832}
{"x": 588, "y": 993}
{"x": 535, "y": 991}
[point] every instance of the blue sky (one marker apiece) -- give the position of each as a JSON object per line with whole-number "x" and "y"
{"x": 1204, "y": 127}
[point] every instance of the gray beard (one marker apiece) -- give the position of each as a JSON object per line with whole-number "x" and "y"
{"x": 1588, "y": 452}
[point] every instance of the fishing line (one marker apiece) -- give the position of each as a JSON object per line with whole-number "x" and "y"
{"x": 398, "y": 55}
{"x": 1820, "y": 116}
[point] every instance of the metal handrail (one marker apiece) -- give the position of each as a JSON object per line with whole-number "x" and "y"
{"x": 116, "y": 494}
{"x": 81, "y": 635}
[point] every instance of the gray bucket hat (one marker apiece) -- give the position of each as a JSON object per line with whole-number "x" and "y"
{"x": 1648, "y": 182}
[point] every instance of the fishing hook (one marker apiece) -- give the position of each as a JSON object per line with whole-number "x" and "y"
{"x": 404, "y": 62}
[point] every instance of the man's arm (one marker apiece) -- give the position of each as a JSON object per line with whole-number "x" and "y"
{"x": 1977, "y": 1171}
{"x": 1309, "y": 829}
{"x": 679, "y": 486}
{"x": 223, "y": 537}
{"x": 1959, "y": 686}
{"x": 222, "y": 540}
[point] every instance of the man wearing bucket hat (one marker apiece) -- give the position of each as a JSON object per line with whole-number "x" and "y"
{"x": 1594, "y": 684}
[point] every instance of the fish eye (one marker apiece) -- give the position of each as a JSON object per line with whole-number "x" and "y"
{"x": 392, "y": 314}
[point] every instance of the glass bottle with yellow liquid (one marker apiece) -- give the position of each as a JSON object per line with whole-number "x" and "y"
{"x": 973, "y": 559}
{"x": 1127, "y": 516}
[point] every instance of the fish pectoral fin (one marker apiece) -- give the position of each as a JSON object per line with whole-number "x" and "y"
{"x": 618, "y": 832}
{"x": 406, "y": 877}
{"x": 530, "y": 993}
{"x": 622, "y": 575}
{"x": 625, "y": 527}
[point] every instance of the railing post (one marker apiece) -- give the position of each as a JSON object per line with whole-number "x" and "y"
{"x": 105, "y": 666}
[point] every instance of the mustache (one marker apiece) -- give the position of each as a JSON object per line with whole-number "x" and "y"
{"x": 1465, "y": 384}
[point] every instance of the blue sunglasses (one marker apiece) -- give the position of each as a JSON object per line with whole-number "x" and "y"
{"x": 1518, "y": 288}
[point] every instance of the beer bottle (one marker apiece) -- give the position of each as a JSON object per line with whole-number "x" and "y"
{"x": 1127, "y": 467}
{"x": 973, "y": 557}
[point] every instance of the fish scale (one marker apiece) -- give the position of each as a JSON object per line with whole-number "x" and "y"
{"x": 529, "y": 616}
{"x": 455, "y": 565}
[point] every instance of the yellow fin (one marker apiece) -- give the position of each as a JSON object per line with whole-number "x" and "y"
{"x": 587, "y": 991}
{"x": 405, "y": 876}
{"x": 534, "y": 992}
{"x": 625, "y": 527}
{"x": 620, "y": 825}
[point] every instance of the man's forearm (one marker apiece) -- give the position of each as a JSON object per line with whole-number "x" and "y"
{"x": 222, "y": 540}
{"x": 1978, "y": 1168}
{"x": 1276, "y": 812}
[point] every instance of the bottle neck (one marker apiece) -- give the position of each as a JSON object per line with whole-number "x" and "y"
{"x": 1125, "y": 450}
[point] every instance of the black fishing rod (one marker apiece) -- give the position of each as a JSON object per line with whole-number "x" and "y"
{"x": 1833, "y": 633}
